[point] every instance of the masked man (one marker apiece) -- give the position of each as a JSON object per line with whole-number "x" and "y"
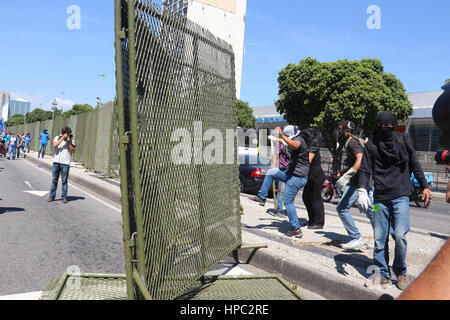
{"x": 390, "y": 157}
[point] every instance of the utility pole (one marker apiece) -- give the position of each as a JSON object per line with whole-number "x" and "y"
{"x": 102, "y": 76}
{"x": 54, "y": 108}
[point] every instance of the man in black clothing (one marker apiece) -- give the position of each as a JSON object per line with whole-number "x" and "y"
{"x": 312, "y": 197}
{"x": 349, "y": 184}
{"x": 390, "y": 157}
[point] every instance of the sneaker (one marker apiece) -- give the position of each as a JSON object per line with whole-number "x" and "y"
{"x": 65, "y": 200}
{"x": 315, "y": 227}
{"x": 258, "y": 200}
{"x": 359, "y": 244}
{"x": 50, "y": 199}
{"x": 402, "y": 281}
{"x": 377, "y": 281}
{"x": 276, "y": 214}
{"x": 295, "y": 233}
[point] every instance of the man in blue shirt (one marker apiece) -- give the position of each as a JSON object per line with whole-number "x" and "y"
{"x": 43, "y": 137}
{"x": 28, "y": 139}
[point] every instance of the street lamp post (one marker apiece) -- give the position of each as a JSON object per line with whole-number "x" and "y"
{"x": 54, "y": 108}
{"x": 102, "y": 76}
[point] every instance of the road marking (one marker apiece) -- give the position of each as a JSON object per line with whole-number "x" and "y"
{"x": 37, "y": 193}
{"x": 81, "y": 190}
{"x": 23, "y": 296}
{"x": 29, "y": 185}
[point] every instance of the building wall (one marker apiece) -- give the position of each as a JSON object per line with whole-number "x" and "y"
{"x": 4, "y": 105}
{"x": 226, "y": 20}
{"x": 19, "y": 107}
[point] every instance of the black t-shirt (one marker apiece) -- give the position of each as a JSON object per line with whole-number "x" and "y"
{"x": 299, "y": 165}
{"x": 354, "y": 147}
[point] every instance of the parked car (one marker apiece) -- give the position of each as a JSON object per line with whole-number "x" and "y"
{"x": 252, "y": 171}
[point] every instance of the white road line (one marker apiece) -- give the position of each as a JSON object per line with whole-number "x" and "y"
{"x": 29, "y": 185}
{"x": 79, "y": 189}
{"x": 23, "y": 296}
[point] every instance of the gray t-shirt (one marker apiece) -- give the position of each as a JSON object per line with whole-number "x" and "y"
{"x": 299, "y": 165}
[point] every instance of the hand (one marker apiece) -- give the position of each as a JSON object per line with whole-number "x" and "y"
{"x": 426, "y": 195}
{"x": 363, "y": 200}
{"x": 279, "y": 131}
{"x": 345, "y": 179}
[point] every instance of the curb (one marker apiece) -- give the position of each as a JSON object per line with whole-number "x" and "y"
{"x": 314, "y": 278}
{"x": 85, "y": 183}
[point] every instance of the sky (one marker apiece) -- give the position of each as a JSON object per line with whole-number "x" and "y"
{"x": 40, "y": 57}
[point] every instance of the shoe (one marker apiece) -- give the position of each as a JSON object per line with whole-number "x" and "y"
{"x": 359, "y": 244}
{"x": 295, "y": 233}
{"x": 50, "y": 199}
{"x": 402, "y": 281}
{"x": 258, "y": 200}
{"x": 377, "y": 281}
{"x": 315, "y": 227}
{"x": 276, "y": 214}
{"x": 65, "y": 200}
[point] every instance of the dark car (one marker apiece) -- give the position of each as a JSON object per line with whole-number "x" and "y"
{"x": 252, "y": 170}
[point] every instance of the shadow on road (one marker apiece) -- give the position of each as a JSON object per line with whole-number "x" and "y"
{"x": 440, "y": 236}
{"x": 70, "y": 199}
{"x": 7, "y": 210}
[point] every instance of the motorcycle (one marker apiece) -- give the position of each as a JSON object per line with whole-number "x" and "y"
{"x": 329, "y": 188}
{"x": 416, "y": 190}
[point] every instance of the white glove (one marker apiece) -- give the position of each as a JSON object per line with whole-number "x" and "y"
{"x": 345, "y": 179}
{"x": 274, "y": 139}
{"x": 363, "y": 200}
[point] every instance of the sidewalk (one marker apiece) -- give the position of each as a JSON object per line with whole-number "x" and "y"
{"x": 315, "y": 262}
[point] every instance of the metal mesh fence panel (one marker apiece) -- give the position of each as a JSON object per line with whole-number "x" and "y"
{"x": 177, "y": 78}
{"x": 103, "y": 142}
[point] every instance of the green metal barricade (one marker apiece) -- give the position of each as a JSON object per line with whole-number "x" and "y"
{"x": 179, "y": 218}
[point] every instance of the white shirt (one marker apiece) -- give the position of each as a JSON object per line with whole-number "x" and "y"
{"x": 62, "y": 152}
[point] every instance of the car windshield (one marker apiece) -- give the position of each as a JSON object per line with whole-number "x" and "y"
{"x": 251, "y": 159}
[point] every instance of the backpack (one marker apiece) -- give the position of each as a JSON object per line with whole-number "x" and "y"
{"x": 362, "y": 141}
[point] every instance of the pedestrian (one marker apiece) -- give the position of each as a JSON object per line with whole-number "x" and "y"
{"x": 312, "y": 194}
{"x": 295, "y": 177}
{"x": 20, "y": 144}
{"x": 28, "y": 139}
{"x": 390, "y": 157}
{"x": 348, "y": 184}
{"x": 64, "y": 148}
{"x": 12, "y": 147}
{"x": 43, "y": 140}
{"x": 280, "y": 162}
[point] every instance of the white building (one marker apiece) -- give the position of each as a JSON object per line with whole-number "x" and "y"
{"x": 4, "y": 105}
{"x": 223, "y": 18}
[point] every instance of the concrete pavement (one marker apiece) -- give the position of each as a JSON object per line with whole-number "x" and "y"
{"x": 316, "y": 262}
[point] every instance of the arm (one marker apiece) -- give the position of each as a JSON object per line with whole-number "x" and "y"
{"x": 366, "y": 167}
{"x": 311, "y": 157}
{"x": 294, "y": 145}
{"x": 61, "y": 139}
{"x": 434, "y": 282}
{"x": 71, "y": 146}
{"x": 448, "y": 192}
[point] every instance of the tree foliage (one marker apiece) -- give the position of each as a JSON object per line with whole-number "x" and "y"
{"x": 447, "y": 81}
{"x": 15, "y": 120}
{"x": 40, "y": 115}
{"x": 319, "y": 95}
{"x": 245, "y": 115}
{"x": 78, "y": 109}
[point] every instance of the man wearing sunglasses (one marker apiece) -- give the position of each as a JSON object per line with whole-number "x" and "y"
{"x": 390, "y": 158}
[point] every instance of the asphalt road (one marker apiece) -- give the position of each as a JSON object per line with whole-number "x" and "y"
{"x": 40, "y": 240}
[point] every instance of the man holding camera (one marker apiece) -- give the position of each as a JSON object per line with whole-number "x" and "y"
{"x": 64, "y": 148}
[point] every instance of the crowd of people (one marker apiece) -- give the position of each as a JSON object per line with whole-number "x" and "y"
{"x": 12, "y": 143}
{"x": 376, "y": 177}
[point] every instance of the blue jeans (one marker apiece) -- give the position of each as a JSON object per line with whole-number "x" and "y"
{"x": 280, "y": 195}
{"x": 391, "y": 216}
{"x": 63, "y": 170}
{"x": 293, "y": 186}
{"x": 349, "y": 198}
{"x": 12, "y": 151}
{"x": 42, "y": 148}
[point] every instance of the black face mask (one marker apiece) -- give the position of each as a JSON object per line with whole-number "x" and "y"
{"x": 341, "y": 136}
{"x": 384, "y": 133}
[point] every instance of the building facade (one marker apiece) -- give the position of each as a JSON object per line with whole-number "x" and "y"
{"x": 223, "y": 18}
{"x": 19, "y": 106}
{"x": 4, "y": 105}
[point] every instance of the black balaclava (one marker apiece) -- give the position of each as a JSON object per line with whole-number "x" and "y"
{"x": 441, "y": 116}
{"x": 388, "y": 147}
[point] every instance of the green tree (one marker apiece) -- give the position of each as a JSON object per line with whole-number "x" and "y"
{"x": 15, "y": 120}
{"x": 78, "y": 109}
{"x": 319, "y": 95}
{"x": 447, "y": 81}
{"x": 39, "y": 115}
{"x": 245, "y": 115}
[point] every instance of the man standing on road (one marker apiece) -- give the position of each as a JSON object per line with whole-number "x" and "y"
{"x": 28, "y": 139}
{"x": 64, "y": 148}
{"x": 295, "y": 177}
{"x": 12, "y": 147}
{"x": 349, "y": 184}
{"x": 390, "y": 157}
{"x": 44, "y": 137}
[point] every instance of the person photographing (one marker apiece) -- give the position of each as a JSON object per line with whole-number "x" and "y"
{"x": 64, "y": 149}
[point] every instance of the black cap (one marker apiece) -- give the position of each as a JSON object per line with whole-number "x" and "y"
{"x": 386, "y": 116}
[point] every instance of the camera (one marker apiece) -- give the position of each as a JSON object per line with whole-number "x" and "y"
{"x": 442, "y": 157}
{"x": 70, "y": 136}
